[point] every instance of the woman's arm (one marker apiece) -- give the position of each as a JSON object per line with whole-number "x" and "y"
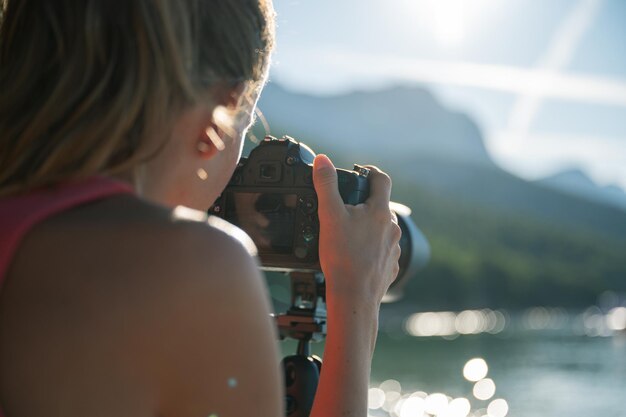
{"x": 344, "y": 380}
{"x": 359, "y": 255}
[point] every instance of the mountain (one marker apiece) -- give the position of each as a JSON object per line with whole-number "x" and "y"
{"x": 385, "y": 122}
{"x": 496, "y": 240}
{"x": 576, "y": 182}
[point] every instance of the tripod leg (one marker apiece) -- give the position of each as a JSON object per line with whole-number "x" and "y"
{"x": 301, "y": 379}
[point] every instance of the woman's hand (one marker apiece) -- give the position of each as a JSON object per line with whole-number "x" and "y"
{"x": 359, "y": 254}
{"x": 359, "y": 245}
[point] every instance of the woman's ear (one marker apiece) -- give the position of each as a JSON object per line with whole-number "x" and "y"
{"x": 209, "y": 143}
{"x": 206, "y": 149}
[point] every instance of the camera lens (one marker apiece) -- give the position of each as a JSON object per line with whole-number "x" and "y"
{"x": 415, "y": 251}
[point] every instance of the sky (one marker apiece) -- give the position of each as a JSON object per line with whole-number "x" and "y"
{"x": 544, "y": 79}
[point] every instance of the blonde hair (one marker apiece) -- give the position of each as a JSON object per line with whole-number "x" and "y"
{"x": 92, "y": 86}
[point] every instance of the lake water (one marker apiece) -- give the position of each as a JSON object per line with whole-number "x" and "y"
{"x": 538, "y": 374}
{"x": 548, "y": 370}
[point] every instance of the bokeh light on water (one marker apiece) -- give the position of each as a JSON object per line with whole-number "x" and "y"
{"x": 413, "y": 407}
{"x": 475, "y": 369}
{"x": 616, "y": 319}
{"x": 458, "y": 407}
{"x": 540, "y": 356}
{"x": 436, "y": 403}
{"x": 388, "y": 400}
{"x": 538, "y": 361}
{"x": 484, "y": 389}
{"x": 543, "y": 318}
{"x": 498, "y": 408}
{"x": 391, "y": 385}
{"x": 375, "y": 398}
{"x": 448, "y": 323}
{"x": 592, "y": 322}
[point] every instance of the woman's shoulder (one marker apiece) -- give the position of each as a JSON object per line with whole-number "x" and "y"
{"x": 125, "y": 239}
{"x": 205, "y": 250}
{"x": 147, "y": 245}
{"x": 212, "y": 306}
{"x": 177, "y": 292}
{"x": 125, "y": 226}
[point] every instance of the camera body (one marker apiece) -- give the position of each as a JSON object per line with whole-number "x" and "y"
{"x": 272, "y": 198}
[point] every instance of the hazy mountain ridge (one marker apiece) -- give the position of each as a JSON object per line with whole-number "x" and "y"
{"x": 383, "y": 122}
{"x": 491, "y": 188}
{"x": 576, "y": 182}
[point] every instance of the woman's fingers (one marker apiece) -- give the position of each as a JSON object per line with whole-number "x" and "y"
{"x": 380, "y": 188}
{"x": 394, "y": 217}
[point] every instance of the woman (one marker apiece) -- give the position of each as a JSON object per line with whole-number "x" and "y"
{"x": 117, "y": 118}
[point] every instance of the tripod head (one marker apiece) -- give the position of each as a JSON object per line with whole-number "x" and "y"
{"x": 305, "y": 320}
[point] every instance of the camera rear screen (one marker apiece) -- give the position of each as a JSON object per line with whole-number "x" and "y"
{"x": 268, "y": 218}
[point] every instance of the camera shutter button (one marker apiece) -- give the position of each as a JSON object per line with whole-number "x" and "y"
{"x": 361, "y": 170}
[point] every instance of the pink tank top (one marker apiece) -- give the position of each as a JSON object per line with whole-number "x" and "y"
{"x": 19, "y": 214}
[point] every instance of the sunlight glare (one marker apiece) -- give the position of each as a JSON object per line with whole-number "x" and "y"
{"x": 616, "y": 319}
{"x": 459, "y": 407}
{"x": 469, "y": 322}
{"x": 436, "y": 403}
{"x": 450, "y": 20}
{"x": 390, "y": 385}
{"x": 375, "y": 398}
{"x": 475, "y": 369}
{"x": 449, "y": 324}
{"x": 431, "y": 324}
{"x": 484, "y": 389}
{"x": 413, "y": 407}
{"x": 498, "y": 408}
{"x": 391, "y": 398}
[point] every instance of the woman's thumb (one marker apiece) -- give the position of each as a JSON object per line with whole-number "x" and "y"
{"x": 326, "y": 187}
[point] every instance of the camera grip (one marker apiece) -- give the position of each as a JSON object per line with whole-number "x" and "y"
{"x": 353, "y": 186}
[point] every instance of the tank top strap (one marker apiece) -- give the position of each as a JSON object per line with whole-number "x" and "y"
{"x": 20, "y": 213}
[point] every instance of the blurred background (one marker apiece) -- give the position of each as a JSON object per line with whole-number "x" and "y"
{"x": 503, "y": 125}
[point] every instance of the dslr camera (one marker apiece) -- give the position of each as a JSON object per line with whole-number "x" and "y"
{"x": 271, "y": 197}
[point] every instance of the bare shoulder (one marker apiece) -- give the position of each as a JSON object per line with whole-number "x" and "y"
{"x": 146, "y": 244}
{"x": 177, "y": 295}
{"x": 217, "y": 340}
{"x": 190, "y": 240}
{"x": 195, "y": 224}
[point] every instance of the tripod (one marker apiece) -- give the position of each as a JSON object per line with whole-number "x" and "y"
{"x": 305, "y": 321}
